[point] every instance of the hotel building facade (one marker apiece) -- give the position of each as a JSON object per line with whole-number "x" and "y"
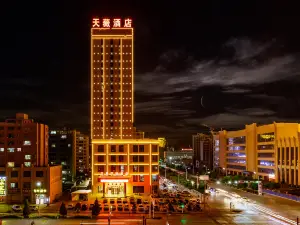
{"x": 269, "y": 152}
{"x": 123, "y": 161}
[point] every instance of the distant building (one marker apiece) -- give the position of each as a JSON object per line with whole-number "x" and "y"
{"x": 175, "y": 156}
{"x": 69, "y": 148}
{"x": 81, "y": 162}
{"x": 268, "y": 152}
{"x": 203, "y": 152}
{"x": 24, "y": 162}
{"x": 216, "y": 151}
{"x": 62, "y": 148}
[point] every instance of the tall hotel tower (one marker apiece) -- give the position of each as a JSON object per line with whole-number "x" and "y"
{"x": 123, "y": 161}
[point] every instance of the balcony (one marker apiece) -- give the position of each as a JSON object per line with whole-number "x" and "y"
{"x": 13, "y": 190}
{"x": 26, "y": 190}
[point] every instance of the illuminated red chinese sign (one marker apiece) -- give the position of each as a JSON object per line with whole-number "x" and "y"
{"x": 111, "y": 23}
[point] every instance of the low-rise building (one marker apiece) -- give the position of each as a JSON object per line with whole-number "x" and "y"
{"x": 269, "y": 152}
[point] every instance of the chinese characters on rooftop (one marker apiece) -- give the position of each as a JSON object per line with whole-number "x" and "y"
{"x": 112, "y": 23}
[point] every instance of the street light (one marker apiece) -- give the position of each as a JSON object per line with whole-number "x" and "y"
{"x": 39, "y": 191}
{"x": 225, "y": 170}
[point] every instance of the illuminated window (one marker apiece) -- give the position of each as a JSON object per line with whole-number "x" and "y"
{"x": 63, "y": 136}
{"x": 27, "y": 164}
{"x": 19, "y": 149}
{"x": 11, "y": 164}
{"x": 53, "y": 145}
{"x": 1, "y": 149}
{"x": 27, "y": 157}
{"x": 69, "y": 145}
{"x": 13, "y": 185}
{"x": 11, "y": 149}
{"x": 27, "y": 142}
{"x": 53, "y": 132}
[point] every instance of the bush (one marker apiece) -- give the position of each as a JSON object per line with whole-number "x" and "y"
{"x": 96, "y": 208}
{"x": 26, "y": 210}
{"x": 63, "y": 210}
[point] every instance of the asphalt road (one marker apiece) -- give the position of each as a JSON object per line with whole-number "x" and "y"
{"x": 284, "y": 207}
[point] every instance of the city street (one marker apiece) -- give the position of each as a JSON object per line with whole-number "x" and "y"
{"x": 284, "y": 207}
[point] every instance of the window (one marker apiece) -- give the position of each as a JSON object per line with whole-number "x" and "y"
{"x": 100, "y": 148}
{"x": 121, "y": 158}
{"x": 53, "y": 132}
{"x": 142, "y": 179}
{"x": 154, "y": 168}
{"x": 63, "y": 136}
{"x": 27, "y": 142}
{"x": 1, "y": 149}
{"x": 138, "y": 189}
{"x": 113, "y": 148}
{"x": 267, "y": 137}
{"x": 100, "y": 168}
{"x": 135, "y": 158}
{"x": 135, "y": 169}
{"x": 113, "y": 169}
{"x": 27, "y": 185}
{"x": 141, "y": 158}
{"x": 154, "y": 158}
{"x": 121, "y": 148}
{"x": 27, "y": 164}
{"x": 27, "y": 174}
{"x": 13, "y": 185}
{"x": 11, "y": 164}
{"x": 135, "y": 148}
{"x": 19, "y": 149}
{"x": 135, "y": 178}
{"x": 53, "y": 145}
{"x": 100, "y": 158}
{"x": 39, "y": 173}
{"x": 154, "y": 148}
{"x": 14, "y": 174}
{"x": 141, "y": 168}
{"x": 69, "y": 145}
{"x": 113, "y": 158}
{"x": 141, "y": 148}
{"x": 11, "y": 149}
{"x": 28, "y": 157}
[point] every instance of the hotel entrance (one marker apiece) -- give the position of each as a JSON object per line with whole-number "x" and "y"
{"x": 114, "y": 188}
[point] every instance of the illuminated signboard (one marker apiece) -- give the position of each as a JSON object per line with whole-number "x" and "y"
{"x": 2, "y": 186}
{"x": 112, "y": 23}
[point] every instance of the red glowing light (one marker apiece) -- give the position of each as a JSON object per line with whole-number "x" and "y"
{"x": 117, "y": 23}
{"x": 128, "y": 23}
{"x": 106, "y": 23}
{"x": 96, "y": 22}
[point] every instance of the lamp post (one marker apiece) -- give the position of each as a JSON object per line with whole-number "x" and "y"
{"x": 225, "y": 171}
{"x": 38, "y": 184}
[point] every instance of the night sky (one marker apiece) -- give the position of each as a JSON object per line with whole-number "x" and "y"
{"x": 241, "y": 59}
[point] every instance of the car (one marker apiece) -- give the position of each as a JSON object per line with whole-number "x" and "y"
{"x": 120, "y": 208}
{"x": 141, "y": 208}
{"x": 70, "y": 206}
{"x": 146, "y": 202}
{"x": 17, "y": 208}
{"x": 106, "y": 207}
{"x": 126, "y": 207}
{"x": 119, "y": 201}
{"x": 84, "y": 207}
{"x": 112, "y": 201}
{"x": 91, "y": 206}
{"x": 33, "y": 208}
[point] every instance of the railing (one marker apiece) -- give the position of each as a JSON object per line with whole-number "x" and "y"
{"x": 282, "y": 195}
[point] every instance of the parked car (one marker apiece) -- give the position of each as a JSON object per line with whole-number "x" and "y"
{"x": 33, "y": 208}
{"x": 16, "y": 208}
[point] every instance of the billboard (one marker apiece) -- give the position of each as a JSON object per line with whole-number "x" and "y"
{"x": 204, "y": 177}
{"x": 2, "y": 186}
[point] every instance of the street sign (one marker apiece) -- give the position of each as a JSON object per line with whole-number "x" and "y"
{"x": 204, "y": 177}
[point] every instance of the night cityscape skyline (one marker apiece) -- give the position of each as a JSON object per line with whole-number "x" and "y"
{"x": 227, "y": 73}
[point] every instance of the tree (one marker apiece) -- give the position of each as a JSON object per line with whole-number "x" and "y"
{"x": 26, "y": 210}
{"x": 63, "y": 210}
{"x": 96, "y": 208}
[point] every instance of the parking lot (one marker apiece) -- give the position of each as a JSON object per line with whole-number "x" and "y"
{"x": 171, "y": 198}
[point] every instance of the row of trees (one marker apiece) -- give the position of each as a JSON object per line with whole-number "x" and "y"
{"x": 95, "y": 210}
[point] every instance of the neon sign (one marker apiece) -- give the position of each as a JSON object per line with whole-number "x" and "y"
{"x": 2, "y": 186}
{"x": 111, "y": 23}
